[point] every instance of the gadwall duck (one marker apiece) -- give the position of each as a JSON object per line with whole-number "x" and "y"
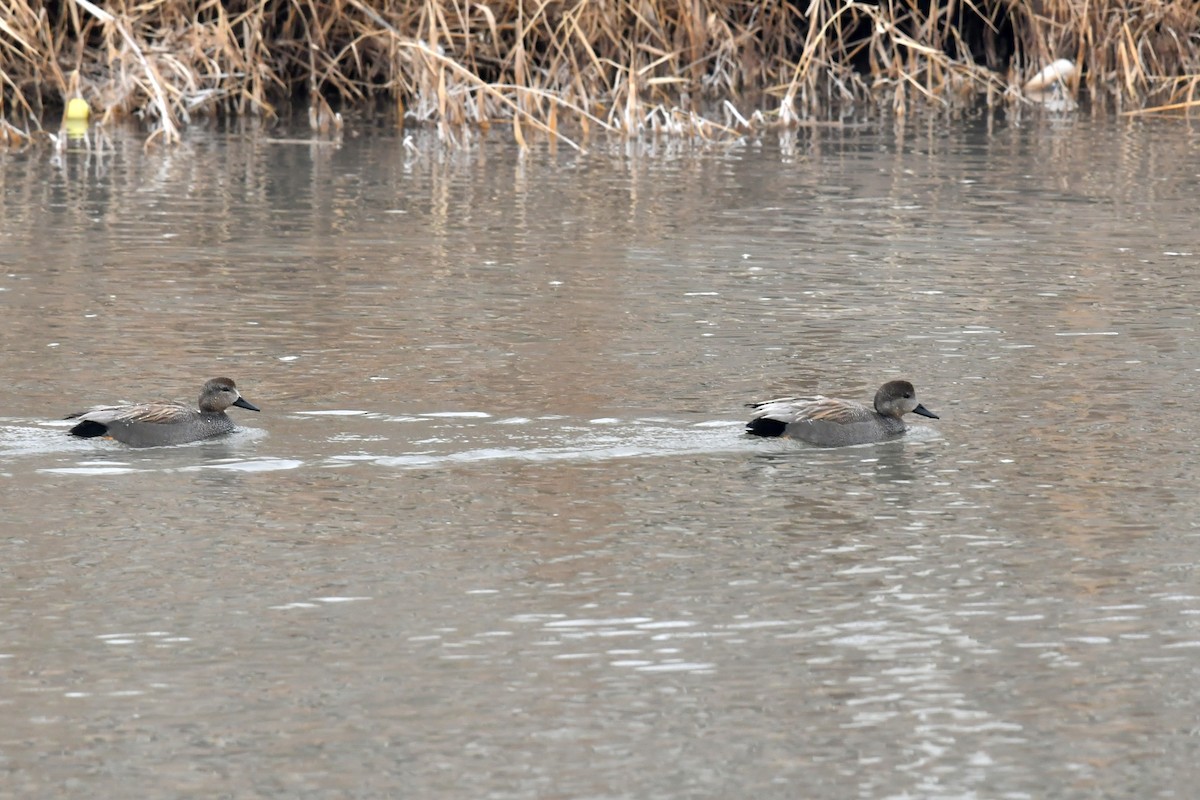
{"x": 831, "y": 422}
{"x": 165, "y": 422}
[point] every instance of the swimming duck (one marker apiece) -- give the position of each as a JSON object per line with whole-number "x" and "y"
{"x": 165, "y": 422}
{"x": 832, "y": 422}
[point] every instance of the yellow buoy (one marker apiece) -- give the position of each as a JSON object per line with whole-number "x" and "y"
{"x": 77, "y": 109}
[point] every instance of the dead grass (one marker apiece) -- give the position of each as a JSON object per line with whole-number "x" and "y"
{"x": 568, "y": 68}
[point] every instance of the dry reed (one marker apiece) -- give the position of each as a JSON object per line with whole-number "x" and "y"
{"x": 564, "y": 68}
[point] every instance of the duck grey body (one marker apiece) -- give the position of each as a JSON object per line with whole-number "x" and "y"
{"x": 163, "y": 423}
{"x": 832, "y": 422}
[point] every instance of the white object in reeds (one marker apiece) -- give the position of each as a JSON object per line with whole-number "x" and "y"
{"x": 1058, "y": 73}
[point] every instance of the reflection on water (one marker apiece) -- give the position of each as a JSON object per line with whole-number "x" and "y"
{"x": 497, "y": 532}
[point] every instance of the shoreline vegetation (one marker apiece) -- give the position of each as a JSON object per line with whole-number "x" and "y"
{"x": 567, "y": 69}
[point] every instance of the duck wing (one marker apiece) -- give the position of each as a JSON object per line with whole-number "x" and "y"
{"x": 814, "y": 408}
{"x": 149, "y": 413}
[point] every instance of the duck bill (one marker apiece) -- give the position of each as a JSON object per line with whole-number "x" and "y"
{"x": 242, "y": 402}
{"x": 925, "y": 412}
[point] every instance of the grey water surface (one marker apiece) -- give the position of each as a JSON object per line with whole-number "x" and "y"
{"x": 496, "y": 532}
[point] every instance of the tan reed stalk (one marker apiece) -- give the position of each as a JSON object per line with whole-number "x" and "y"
{"x": 565, "y": 69}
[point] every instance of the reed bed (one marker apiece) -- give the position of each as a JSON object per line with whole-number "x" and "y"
{"x": 565, "y": 68}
